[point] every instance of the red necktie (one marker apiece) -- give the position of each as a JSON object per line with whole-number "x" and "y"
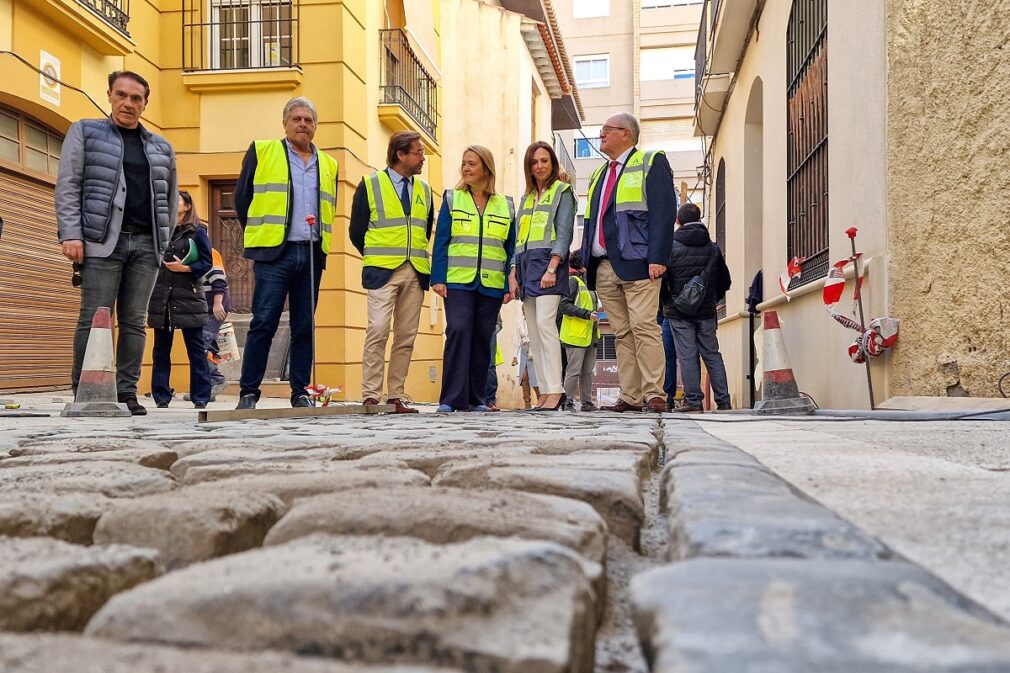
{"x": 607, "y": 191}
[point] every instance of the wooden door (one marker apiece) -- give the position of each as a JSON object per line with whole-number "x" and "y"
{"x": 226, "y": 235}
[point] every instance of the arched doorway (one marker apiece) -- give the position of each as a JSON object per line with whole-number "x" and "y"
{"x": 753, "y": 216}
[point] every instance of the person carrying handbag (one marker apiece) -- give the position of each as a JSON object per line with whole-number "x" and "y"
{"x": 697, "y": 278}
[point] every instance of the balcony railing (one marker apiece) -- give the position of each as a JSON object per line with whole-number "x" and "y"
{"x": 116, "y": 13}
{"x": 405, "y": 81}
{"x": 701, "y": 55}
{"x": 567, "y": 165}
{"x": 239, "y": 34}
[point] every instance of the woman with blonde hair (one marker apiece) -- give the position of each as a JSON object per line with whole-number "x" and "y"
{"x": 474, "y": 241}
{"x": 538, "y": 277}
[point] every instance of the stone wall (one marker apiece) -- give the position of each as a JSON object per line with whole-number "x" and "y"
{"x": 949, "y": 194}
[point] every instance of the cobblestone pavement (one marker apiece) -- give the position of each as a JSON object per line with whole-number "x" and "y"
{"x": 492, "y": 543}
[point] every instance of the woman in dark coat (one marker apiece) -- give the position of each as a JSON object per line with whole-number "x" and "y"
{"x": 178, "y": 303}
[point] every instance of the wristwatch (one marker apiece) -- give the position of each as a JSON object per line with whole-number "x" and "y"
{"x": 551, "y": 271}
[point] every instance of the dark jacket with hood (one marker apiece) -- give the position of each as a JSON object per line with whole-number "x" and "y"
{"x": 178, "y": 300}
{"x": 691, "y": 252}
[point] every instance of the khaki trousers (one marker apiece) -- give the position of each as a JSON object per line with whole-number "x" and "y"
{"x": 398, "y": 301}
{"x": 631, "y": 308}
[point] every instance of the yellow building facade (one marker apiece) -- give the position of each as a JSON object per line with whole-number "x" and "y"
{"x": 220, "y": 73}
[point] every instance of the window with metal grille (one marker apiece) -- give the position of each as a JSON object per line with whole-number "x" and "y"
{"x": 606, "y": 347}
{"x": 239, "y": 34}
{"x": 720, "y": 220}
{"x": 807, "y": 157}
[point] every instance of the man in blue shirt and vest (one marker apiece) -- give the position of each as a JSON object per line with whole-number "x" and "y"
{"x": 286, "y": 199}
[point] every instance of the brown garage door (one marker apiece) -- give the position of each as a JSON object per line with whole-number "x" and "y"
{"x": 38, "y": 305}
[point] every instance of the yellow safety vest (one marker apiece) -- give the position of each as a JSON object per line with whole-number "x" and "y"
{"x": 536, "y": 218}
{"x": 579, "y": 331}
{"x": 267, "y": 219}
{"x": 476, "y": 243}
{"x": 498, "y": 357}
{"x": 393, "y": 237}
{"x": 631, "y": 194}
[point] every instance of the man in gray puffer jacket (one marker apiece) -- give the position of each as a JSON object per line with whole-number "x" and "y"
{"x": 116, "y": 200}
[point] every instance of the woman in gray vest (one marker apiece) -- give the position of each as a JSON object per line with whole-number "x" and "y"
{"x": 538, "y": 277}
{"x": 178, "y": 303}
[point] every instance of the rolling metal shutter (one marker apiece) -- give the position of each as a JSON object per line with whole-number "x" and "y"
{"x": 38, "y": 305}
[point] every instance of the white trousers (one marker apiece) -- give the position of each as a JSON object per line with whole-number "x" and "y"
{"x": 545, "y": 343}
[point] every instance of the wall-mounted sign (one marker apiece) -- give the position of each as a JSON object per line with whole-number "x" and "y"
{"x": 49, "y": 84}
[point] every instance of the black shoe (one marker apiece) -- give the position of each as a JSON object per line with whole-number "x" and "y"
{"x": 199, "y": 405}
{"x": 301, "y": 401}
{"x": 161, "y": 404}
{"x": 135, "y": 407}
{"x": 724, "y": 407}
{"x": 247, "y": 401}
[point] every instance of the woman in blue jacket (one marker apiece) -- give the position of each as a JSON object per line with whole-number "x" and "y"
{"x": 474, "y": 241}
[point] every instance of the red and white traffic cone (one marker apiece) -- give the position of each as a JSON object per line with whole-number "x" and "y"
{"x": 779, "y": 392}
{"x": 96, "y": 390}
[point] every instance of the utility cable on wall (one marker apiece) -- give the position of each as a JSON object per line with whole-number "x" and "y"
{"x": 26, "y": 62}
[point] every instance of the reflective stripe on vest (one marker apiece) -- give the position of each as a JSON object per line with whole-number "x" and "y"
{"x": 267, "y": 218}
{"x": 478, "y": 243}
{"x": 630, "y": 186}
{"x": 536, "y": 218}
{"x": 578, "y": 331}
{"x": 392, "y": 238}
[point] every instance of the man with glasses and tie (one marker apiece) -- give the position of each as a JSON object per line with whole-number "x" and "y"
{"x": 626, "y": 244}
{"x": 391, "y": 221}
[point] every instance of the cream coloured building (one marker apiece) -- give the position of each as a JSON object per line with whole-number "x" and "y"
{"x": 512, "y": 84}
{"x": 823, "y": 116}
{"x": 634, "y": 56}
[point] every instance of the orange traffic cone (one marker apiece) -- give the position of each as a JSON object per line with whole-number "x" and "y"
{"x": 779, "y": 392}
{"x": 96, "y": 391}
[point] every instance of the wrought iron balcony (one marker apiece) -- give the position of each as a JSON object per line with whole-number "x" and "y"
{"x": 240, "y": 34}
{"x": 116, "y": 13}
{"x": 564, "y": 157}
{"x": 405, "y": 81}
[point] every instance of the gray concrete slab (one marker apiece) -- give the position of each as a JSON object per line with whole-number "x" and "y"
{"x": 936, "y": 492}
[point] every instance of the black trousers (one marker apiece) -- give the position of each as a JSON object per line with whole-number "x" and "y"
{"x": 470, "y": 319}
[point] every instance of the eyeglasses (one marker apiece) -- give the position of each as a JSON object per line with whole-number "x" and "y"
{"x": 75, "y": 279}
{"x": 607, "y": 129}
{"x": 419, "y": 152}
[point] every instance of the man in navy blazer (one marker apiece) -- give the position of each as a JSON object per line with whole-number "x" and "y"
{"x": 626, "y": 244}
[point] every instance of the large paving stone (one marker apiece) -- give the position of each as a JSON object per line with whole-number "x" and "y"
{"x": 788, "y": 616}
{"x": 429, "y": 459}
{"x": 447, "y": 515}
{"x": 614, "y": 492}
{"x": 110, "y": 478}
{"x": 49, "y": 585}
{"x": 70, "y": 517}
{"x": 189, "y": 525}
{"x": 161, "y": 459}
{"x": 336, "y": 478}
{"x": 64, "y": 653}
{"x": 79, "y": 442}
{"x": 215, "y": 457}
{"x": 485, "y": 605}
{"x": 745, "y": 511}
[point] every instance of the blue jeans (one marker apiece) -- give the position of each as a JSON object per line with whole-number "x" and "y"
{"x": 670, "y": 382}
{"x": 491, "y": 390}
{"x": 210, "y": 331}
{"x": 694, "y": 337}
{"x": 123, "y": 281}
{"x": 285, "y": 277}
{"x": 199, "y": 374}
